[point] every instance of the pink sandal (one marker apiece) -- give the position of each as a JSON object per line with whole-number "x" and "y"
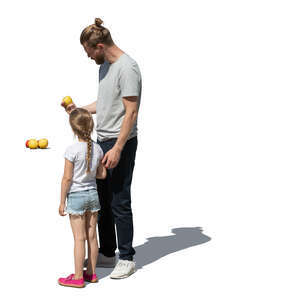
{"x": 90, "y": 278}
{"x": 70, "y": 281}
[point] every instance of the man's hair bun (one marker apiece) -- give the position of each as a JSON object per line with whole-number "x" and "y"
{"x": 96, "y": 33}
{"x": 98, "y": 22}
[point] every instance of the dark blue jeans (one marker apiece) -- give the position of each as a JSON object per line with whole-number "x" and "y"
{"x": 115, "y": 201}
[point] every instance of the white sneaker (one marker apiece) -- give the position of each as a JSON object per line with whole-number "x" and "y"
{"x": 123, "y": 269}
{"x": 103, "y": 261}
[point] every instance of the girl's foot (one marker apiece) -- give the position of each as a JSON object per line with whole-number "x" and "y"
{"x": 90, "y": 278}
{"x": 70, "y": 281}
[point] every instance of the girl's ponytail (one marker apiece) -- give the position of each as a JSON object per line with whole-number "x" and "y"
{"x": 89, "y": 151}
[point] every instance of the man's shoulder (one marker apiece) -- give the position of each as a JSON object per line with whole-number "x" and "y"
{"x": 128, "y": 61}
{"x": 129, "y": 64}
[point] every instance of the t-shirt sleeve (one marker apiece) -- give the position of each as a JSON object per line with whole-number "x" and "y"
{"x": 130, "y": 81}
{"x": 70, "y": 154}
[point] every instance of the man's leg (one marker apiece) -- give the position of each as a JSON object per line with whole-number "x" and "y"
{"x": 121, "y": 201}
{"x": 106, "y": 225}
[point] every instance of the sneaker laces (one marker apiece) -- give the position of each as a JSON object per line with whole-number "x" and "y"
{"x": 123, "y": 263}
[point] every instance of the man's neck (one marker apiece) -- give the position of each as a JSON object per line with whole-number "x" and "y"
{"x": 113, "y": 53}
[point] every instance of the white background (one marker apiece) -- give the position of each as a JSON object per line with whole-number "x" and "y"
{"x": 218, "y": 146}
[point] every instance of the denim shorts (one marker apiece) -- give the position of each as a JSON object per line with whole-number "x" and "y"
{"x": 80, "y": 202}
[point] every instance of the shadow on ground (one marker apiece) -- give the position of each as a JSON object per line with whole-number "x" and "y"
{"x": 157, "y": 247}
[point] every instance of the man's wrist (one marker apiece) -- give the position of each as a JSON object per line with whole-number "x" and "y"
{"x": 118, "y": 147}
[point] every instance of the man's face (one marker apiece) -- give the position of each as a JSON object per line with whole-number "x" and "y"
{"x": 97, "y": 53}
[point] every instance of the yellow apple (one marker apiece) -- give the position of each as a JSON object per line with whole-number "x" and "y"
{"x": 43, "y": 143}
{"x": 66, "y": 101}
{"x": 32, "y": 144}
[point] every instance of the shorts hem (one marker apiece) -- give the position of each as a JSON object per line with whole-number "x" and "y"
{"x": 81, "y": 213}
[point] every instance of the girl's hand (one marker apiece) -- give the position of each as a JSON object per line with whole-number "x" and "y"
{"x": 69, "y": 108}
{"x": 61, "y": 209}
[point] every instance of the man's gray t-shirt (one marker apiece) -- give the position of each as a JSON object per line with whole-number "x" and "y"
{"x": 117, "y": 80}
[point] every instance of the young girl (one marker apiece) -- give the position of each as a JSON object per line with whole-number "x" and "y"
{"x": 82, "y": 167}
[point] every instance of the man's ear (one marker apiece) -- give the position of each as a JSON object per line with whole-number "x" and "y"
{"x": 100, "y": 46}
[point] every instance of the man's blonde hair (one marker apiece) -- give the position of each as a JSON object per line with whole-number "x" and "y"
{"x": 95, "y": 34}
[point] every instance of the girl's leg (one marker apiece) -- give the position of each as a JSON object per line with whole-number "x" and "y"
{"x": 79, "y": 233}
{"x": 91, "y": 234}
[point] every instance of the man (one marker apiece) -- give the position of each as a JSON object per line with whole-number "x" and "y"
{"x": 116, "y": 111}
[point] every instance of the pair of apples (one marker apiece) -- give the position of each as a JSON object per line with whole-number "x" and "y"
{"x": 34, "y": 144}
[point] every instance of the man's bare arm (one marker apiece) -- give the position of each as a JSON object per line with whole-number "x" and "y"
{"x": 131, "y": 112}
{"x": 91, "y": 107}
{"x": 112, "y": 157}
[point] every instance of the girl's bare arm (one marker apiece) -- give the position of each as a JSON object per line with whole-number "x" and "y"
{"x": 101, "y": 171}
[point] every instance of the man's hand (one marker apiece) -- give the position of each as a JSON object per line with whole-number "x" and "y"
{"x": 61, "y": 209}
{"x": 111, "y": 158}
{"x": 69, "y": 108}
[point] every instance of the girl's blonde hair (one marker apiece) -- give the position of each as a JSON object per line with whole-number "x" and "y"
{"x": 95, "y": 34}
{"x": 82, "y": 124}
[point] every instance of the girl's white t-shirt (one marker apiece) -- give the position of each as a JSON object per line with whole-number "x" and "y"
{"x": 76, "y": 153}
